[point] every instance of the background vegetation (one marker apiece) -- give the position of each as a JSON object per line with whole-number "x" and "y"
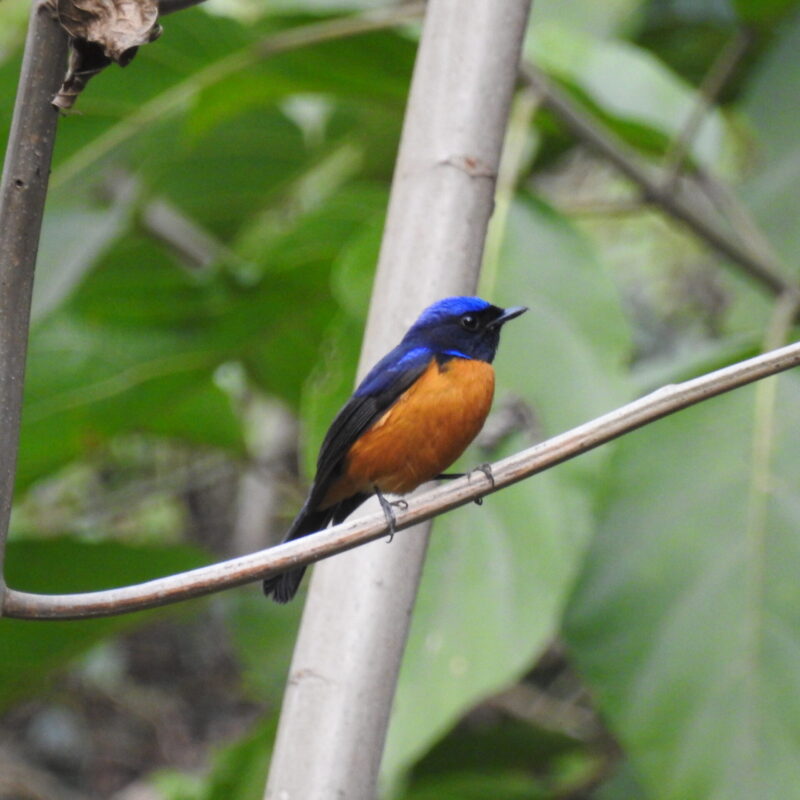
{"x": 624, "y": 626}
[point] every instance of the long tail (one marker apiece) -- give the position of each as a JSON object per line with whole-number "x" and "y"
{"x": 283, "y": 587}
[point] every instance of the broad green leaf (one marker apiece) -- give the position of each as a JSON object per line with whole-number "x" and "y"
{"x": 501, "y": 757}
{"x": 31, "y": 650}
{"x": 264, "y": 636}
{"x": 629, "y": 85}
{"x": 329, "y": 384}
{"x": 228, "y": 173}
{"x": 479, "y": 785}
{"x": 333, "y": 378}
{"x": 87, "y": 382}
{"x": 599, "y": 19}
{"x": 772, "y": 189}
{"x": 686, "y": 619}
{"x": 13, "y": 14}
{"x": 74, "y": 236}
{"x": 496, "y": 578}
{"x": 763, "y": 12}
{"x": 238, "y": 770}
{"x": 140, "y": 330}
{"x": 205, "y": 69}
{"x": 298, "y": 284}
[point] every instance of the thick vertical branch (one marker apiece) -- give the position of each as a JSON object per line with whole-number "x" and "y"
{"x": 22, "y": 194}
{"x": 343, "y": 675}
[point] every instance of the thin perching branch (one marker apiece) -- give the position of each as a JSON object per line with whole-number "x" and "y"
{"x": 515, "y": 468}
{"x": 22, "y": 194}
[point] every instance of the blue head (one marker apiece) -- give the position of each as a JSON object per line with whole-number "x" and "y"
{"x": 462, "y": 327}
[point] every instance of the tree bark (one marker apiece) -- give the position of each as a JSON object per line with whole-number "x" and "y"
{"x": 342, "y": 680}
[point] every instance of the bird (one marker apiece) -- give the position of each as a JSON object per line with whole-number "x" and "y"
{"x": 411, "y": 417}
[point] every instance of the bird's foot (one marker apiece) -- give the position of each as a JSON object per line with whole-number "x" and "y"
{"x": 486, "y": 469}
{"x": 388, "y": 511}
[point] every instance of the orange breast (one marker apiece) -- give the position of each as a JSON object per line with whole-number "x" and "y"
{"x": 422, "y": 434}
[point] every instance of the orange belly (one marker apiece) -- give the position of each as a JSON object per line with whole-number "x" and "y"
{"x": 422, "y": 434}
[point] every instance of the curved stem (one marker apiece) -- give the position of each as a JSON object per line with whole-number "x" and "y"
{"x": 515, "y": 468}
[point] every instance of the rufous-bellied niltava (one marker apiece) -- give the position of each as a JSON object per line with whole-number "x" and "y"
{"x": 409, "y": 419}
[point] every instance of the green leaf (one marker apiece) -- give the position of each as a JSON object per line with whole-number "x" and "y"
{"x": 229, "y": 172}
{"x": 497, "y": 578}
{"x": 685, "y": 620}
{"x": 139, "y": 330}
{"x": 237, "y": 772}
{"x": 764, "y": 12}
{"x": 214, "y": 68}
{"x": 75, "y": 234}
{"x": 598, "y": 19}
{"x": 479, "y": 785}
{"x": 631, "y": 87}
{"x": 772, "y": 190}
{"x": 264, "y": 636}
{"x": 33, "y": 649}
{"x": 87, "y": 382}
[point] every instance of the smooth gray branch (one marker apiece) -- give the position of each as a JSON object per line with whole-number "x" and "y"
{"x": 522, "y": 465}
{"x": 22, "y": 193}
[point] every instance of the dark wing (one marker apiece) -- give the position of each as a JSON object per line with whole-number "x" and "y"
{"x": 387, "y": 380}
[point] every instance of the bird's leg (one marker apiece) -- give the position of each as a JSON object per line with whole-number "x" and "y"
{"x": 388, "y": 511}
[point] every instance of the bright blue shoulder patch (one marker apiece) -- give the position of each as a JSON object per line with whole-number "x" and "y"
{"x": 393, "y": 365}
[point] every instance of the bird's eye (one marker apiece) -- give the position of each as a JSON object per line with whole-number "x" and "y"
{"x": 469, "y": 322}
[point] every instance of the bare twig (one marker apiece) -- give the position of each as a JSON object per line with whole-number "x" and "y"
{"x": 713, "y": 83}
{"x": 758, "y": 265}
{"x": 22, "y": 195}
{"x": 343, "y": 537}
{"x": 545, "y": 710}
{"x": 624, "y": 207}
{"x": 739, "y": 216}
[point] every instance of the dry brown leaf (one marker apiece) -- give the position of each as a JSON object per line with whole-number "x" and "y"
{"x": 102, "y": 31}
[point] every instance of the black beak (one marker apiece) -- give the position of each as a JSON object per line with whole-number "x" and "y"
{"x": 508, "y": 314}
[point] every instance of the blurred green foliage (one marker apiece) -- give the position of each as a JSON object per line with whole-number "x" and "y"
{"x": 665, "y": 563}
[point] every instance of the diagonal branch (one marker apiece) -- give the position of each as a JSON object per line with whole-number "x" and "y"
{"x": 721, "y": 71}
{"x": 522, "y": 465}
{"x": 759, "y": 265}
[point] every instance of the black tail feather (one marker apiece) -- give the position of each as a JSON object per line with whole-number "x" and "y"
{"x": 284, "y": 586}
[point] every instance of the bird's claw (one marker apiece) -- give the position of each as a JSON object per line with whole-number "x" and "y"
{"x": 388, "y": 512}
{"x": 486, "y": 469}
